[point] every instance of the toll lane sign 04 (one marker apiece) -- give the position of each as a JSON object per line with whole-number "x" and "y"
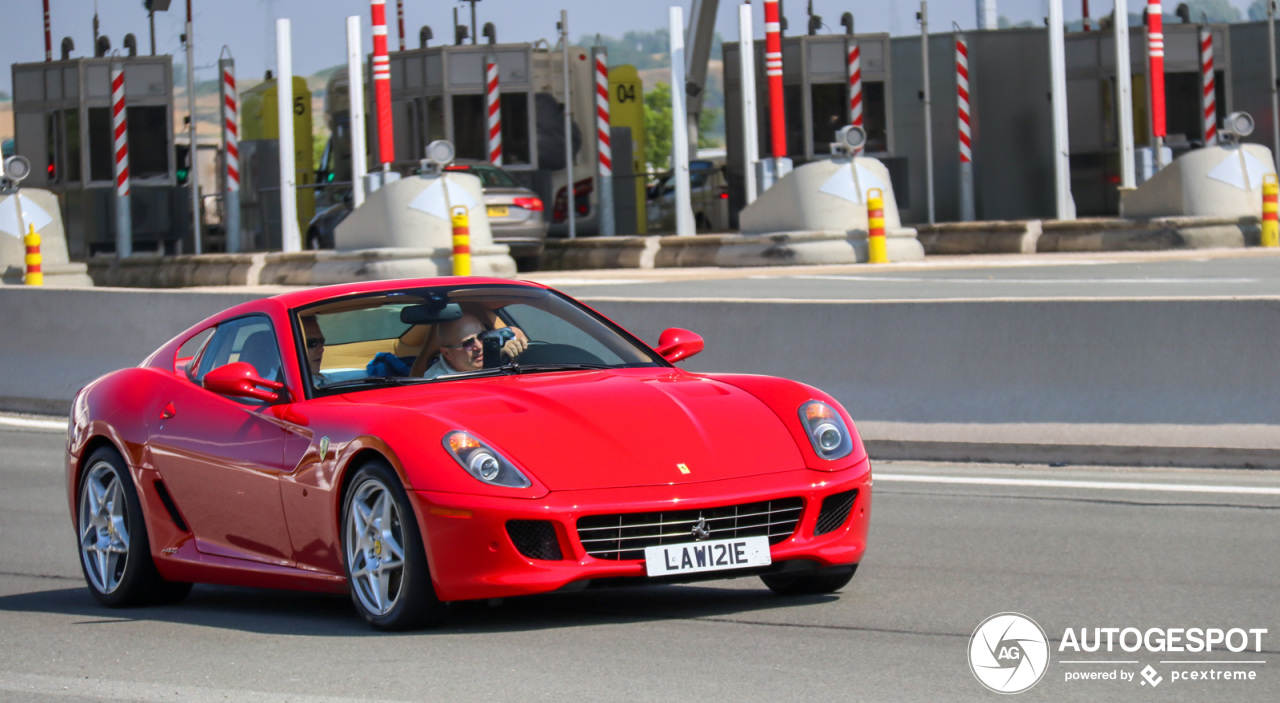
{"x": 711, "y": 555}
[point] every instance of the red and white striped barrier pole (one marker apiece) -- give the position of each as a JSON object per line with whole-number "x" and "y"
{"x": 48, "y": 36}
{"x": 1085, "y": 11}
{"x": 400, "y": 20}
{"x": 965, "y": 132}
{"x": 1208, "y": 96}
{"x": 773, "y": 69}
{"x": 231, "y": 153}
{"x": 604, "y": 147}
{"x": 493, "y": 105}
{"x": 382, "y": 84}
{"x": 120, "y": 128}
{"x": 1155, "y": 63}
{"x": 855, "y": 83}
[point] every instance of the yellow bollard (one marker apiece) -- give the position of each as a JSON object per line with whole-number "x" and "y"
{"x": 35, "y": 276}
{"x": 461, "y": 242}
{"x": 1270, "y": 223}
{"x": 877, "y": 253}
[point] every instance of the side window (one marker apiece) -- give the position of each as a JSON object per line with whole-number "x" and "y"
{"x": 250, "y": 339}
{"x": 185, "y": 359}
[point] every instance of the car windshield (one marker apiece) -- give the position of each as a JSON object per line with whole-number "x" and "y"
{"x": 399, "y": 337}
{"x": 490, "y": 176}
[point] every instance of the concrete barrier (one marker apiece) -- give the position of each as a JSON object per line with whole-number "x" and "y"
{"x": 1168, "y": 382}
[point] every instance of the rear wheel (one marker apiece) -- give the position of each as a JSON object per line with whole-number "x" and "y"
{"x": 115, "y": 553}
{"x": 825, "y": 581}
{"x": 383, "y": 552}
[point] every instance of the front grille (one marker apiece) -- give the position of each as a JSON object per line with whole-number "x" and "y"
{"x": 625, "y": 535}
{"x": 535, "y": 539}
{"x": 835, "y": 510}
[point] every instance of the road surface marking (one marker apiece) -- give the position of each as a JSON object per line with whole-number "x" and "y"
{"x": 1089, "y": 485}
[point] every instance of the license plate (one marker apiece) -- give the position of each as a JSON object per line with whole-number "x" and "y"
{"x": 497, "y": 210}
{"x": 713, "y": 555}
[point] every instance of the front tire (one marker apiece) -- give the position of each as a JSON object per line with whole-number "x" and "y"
{"x": 383, "y": 552}
{"x": 826, "y": 581}
{"x": 115, "y": 552}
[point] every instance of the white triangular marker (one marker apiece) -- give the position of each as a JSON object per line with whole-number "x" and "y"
{"x": 32, "y": 214}
{"x": 431, "y": 199}
{"x": 841, "y": 184}
{"x": 1229, "y": 171}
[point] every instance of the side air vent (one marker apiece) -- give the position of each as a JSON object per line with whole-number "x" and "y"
{"x": 170, "y": 506}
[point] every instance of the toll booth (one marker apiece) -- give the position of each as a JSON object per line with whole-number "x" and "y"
{"x": 1011, "y": 116}
{"x": 816, "y": 89}
{"x": 439, "y": 93}
{"x": 260, "y": 163}
{"x": 1248, "y": 82}
{"x": 62, "y": 123}
{"x": 1093, "y": 123}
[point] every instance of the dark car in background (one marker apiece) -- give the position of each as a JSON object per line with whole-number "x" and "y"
{"x": 515, "y": 213}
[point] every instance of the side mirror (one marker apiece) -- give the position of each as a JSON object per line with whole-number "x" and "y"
{"x": 240, "y": 380}
{"x": 675, "y": 344}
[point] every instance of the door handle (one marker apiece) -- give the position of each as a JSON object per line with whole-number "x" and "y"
{"x": 168, "y": 411}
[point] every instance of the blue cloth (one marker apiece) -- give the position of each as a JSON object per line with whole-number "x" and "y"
{"x": 386, "y": 364}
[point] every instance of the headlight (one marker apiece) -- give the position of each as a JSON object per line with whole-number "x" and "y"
{"x": 482, "y": 462}
{"x": 827, "y": 432}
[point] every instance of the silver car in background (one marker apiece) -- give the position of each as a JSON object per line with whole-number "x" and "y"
{"x": 515, "y": 214}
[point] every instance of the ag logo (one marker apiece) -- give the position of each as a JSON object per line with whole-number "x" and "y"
{"x": 1008, "y": 653}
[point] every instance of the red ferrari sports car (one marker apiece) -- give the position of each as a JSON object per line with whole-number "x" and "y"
{"x": 417, "y": 442}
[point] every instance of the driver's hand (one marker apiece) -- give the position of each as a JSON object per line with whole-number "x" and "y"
{"x": 515, "y": 346}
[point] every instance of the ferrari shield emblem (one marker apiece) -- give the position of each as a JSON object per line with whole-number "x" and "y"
{"x": 684, "y": 468}
{"x": 324, "y": 447}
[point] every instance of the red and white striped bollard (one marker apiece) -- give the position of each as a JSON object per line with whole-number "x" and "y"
{"x": 1208, "y": 96}
{"x": 855, "y": 84}
{"x": 965, "y": 141}
{"x": 231, "y": 153}
{"x": 604, "y": 145}
{"x": 400, "y": 21}
{"x": 120, "y": 128}
{"x": 493, "y": 105}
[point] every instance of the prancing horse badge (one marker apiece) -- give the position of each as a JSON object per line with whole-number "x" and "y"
{"x": 684, "y": 468}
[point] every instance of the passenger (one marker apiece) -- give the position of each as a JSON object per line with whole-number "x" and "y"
{"x": 462, "y": 350}
{"x": 315, "y": 346}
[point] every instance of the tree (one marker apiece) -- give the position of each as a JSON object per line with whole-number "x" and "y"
{"x": 1258, "y": 10}
{"x": 657, "y": 126}
{"x": 1214, "y": 11}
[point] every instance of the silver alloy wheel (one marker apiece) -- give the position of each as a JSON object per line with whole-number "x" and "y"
{"x": 104, "y": 529}
{"x": 375, "y": 547}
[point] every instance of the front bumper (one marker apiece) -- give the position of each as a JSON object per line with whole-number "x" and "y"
{"x": 472, "y": 557}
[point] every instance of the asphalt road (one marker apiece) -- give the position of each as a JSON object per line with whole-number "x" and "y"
{"x": 951, "y": 545}
{"x": 1184, "y": 274}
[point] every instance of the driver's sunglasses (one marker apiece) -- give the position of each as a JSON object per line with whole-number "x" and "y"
{"x": 315, "y": 342}
{"x": 469, "y": 341}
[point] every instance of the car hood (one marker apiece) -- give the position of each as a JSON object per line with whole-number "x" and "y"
{"x": 604, "y": 429}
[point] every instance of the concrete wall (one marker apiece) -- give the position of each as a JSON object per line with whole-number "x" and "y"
{"x": 1197, "y": 362}
{"x": 1182, "y": 362}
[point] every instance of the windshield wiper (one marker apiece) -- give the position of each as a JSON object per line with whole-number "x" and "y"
{"x": 372, "y": 381}
{"x": 538, "y": 368}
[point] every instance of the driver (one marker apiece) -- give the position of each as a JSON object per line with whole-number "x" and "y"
{"x": 462, "y": 350}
